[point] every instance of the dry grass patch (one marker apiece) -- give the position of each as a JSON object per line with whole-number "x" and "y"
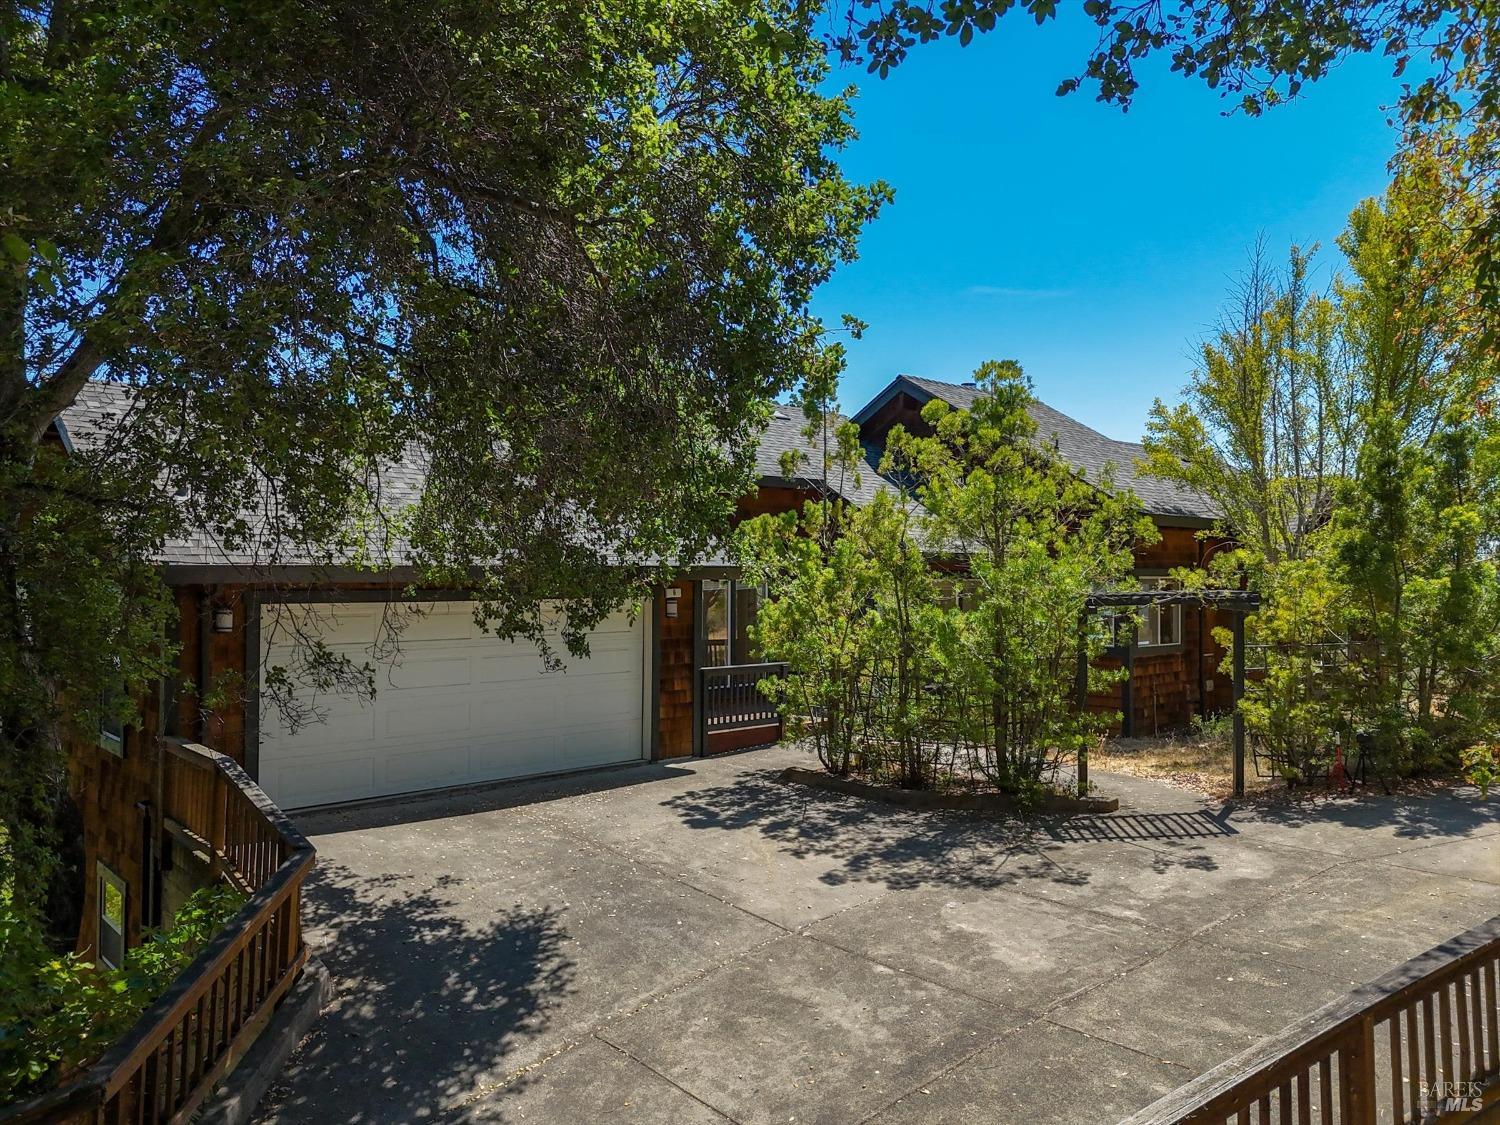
{"x": 1202, "y": 761}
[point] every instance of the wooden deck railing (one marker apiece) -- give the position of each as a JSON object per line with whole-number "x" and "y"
{"x": 732, "y": 696}
{"x": 1420, "y": 1044}
{"x": 198, "y": 1029}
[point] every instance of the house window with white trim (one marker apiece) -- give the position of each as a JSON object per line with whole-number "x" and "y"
{"x": 112, "y": 893}
{"x": 1161, "y": 625}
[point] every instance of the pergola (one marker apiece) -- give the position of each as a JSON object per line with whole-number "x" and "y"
{"x": 1237, "y": 603}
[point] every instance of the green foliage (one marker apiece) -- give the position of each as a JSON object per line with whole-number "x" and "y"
{"x": 1269, "y": 425}
{"x": 1297, "y": 708}
{"x": 58, "y": 1013}
{"x": 934, "y": 637}
{"x": 1037, "y": 539}
{"x": 566, "y": 250}
{"x": 1481, "y": 767}
{"x": 1351, "y": 443}
{"x": 821, "y": 583}
{"x": 84, "y": 637}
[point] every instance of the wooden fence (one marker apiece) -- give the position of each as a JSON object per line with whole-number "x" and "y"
{"x": 1420, "y": 1044}
{"x": 198, "y": 1029}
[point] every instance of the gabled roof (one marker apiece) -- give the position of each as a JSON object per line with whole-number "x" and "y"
{"x": 785, "y": 431}
{"x": 1086, "y": 449}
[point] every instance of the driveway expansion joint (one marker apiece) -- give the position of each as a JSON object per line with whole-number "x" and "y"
{"x": 658, "y": 886}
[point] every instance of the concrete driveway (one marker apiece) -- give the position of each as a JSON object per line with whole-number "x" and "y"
{"x": 698, "y": 942}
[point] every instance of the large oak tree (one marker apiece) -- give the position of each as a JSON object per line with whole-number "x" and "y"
{"x": 562, "y": 250}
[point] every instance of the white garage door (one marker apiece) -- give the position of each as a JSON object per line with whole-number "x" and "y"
{"x": 453, "y": 706}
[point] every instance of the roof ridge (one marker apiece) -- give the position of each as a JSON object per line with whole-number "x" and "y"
{"x": 1037, "y": 401}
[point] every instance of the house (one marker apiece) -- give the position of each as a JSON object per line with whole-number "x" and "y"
{"x": 458, "y": 707}
{"x": 1173, "y": 659}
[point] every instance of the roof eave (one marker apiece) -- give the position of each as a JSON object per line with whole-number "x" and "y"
{"x": 61, "y": 429}
{"x": 1178, "y": 519}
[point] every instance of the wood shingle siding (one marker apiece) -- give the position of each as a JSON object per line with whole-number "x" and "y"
{"x": 676, "y": 672}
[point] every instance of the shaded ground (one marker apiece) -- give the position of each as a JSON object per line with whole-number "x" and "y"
{"x": 702, "y": 943}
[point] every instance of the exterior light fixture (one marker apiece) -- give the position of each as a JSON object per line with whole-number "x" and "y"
{"x": 223, "y": 619}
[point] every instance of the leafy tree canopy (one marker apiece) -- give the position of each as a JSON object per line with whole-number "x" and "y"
{"x": 932, "y": 635}
{"x": 565, "y": 251}
{"x": 1350, "y": 440}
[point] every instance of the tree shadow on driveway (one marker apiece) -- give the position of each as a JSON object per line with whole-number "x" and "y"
{"x": 1435, "y": 817}
{"x": 429, "y": 1007}
{"x": 873, "y": 842}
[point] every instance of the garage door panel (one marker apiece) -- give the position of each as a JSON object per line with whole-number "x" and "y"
{"x": 417, "y": 672}
{"x": 598, "y": 746}
{"x": 454, "y": 706}
{"x": 437, "y": 624}
{"x": 617, "y": 692}
{"x": 324, "y": 781}
{"x": 426, "y": 768}
{"x": 427, "y": 721}
{"x": 516, "y": 757}
{"x": 507, "y": 665}
{"x": 521, "y": 714}
{"x": 607, "y": 654}
{"x": 340, "y": 717}
{"x": 282, "y": 623}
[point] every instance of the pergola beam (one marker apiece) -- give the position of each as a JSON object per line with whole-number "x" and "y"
{"x": 1243, "y": 601}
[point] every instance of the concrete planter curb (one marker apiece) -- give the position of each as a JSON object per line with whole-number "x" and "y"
{"x": 235, "y": 1098}
{"x": 927, "y": 799}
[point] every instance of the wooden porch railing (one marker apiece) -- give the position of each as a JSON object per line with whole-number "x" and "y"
{"x": 732, "y": 699}
{"x": 198, "y": 1029}
{"x": 1420, "y": 1044}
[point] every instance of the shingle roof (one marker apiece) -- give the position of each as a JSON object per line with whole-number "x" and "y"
{"x": 785, "y": 431}
{"x": 1087, "y": 450}
{"x": 103, "y": 409}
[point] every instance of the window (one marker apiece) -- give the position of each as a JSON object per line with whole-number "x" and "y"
{"x": 1161, "y": 625}
{"x": 729, "y": 611}
{"x": 746, "y": 607}
{"x": 111, "y": 905}
{"x": 716, "y": 621}
{"x": 960, "y": 593}
{"x": 111, "y": 728}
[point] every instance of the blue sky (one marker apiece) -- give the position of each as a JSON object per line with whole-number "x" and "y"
{"x": 1094, "y": 247}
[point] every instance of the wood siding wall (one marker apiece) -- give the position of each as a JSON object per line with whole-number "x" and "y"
{"x": 220, "y": 728}
{"x": 773, "y": 499}
{"x": 1170, "y": 688}
{"x": 119, "y": 797}
{"x": 677, "y": 680}
{"x": 111, "y": 793}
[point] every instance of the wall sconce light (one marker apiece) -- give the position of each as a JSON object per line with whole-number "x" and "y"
{"x": 223, "y": 619}
{"x": 673, "y": 593}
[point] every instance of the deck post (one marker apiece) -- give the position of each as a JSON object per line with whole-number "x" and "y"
{"x": 1082, "y": 688}
{"x": 1238, "y": 720}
